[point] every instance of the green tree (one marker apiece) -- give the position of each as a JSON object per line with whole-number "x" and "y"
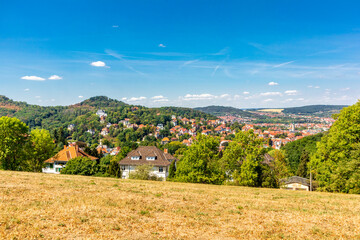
{"x": 199, "y": 163}
{"x": 172, "y": 169}
{"x": 174, "y": 146}
{"x": 242, "y": 158}
{"x": 80, "y": 166}
{"x": 42, "y": 147}
{"x": 13, "y": 136}
{"x": 294, "y": 150}
{"x": 279, "y": 166}
{"x": 115, "y": 169}
{"x": 304, "y": 160}
{"x": 335, "y": 163}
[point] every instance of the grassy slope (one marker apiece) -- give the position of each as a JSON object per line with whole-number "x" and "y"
{"x": 34, "y": 205}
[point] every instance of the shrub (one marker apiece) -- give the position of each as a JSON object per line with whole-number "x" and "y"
{"x": 142, "y": 172}
{"x": 80, "y": 166}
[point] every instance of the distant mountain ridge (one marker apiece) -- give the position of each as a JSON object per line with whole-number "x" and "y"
{"x": 324, "y": 110}
{"x": 313, "y": 109}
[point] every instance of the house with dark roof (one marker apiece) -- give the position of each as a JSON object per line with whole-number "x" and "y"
{"x": 58, "y": 162}
{"x": 147, "y": 155}
{"x": 295, "y": 183}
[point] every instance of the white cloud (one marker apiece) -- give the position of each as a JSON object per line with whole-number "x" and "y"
{"x": 160, "y": 98}
{"x": 189, "y": 62}
{"x": 273, "y": 83}
{"x": 345, "y": 89}
{"x": 55, "y": 77}
{"x": 291, "y": 92}
{"x": 224, "y": 95}
{"x": 204, "y": 96}
{"x": 268, "y": 100}
{"x": 26, "y": 89}
{"x": 134, "y": 99}
{"x": 316, "y": 87}
{"x": 115, "y": 26}
{"x": 33, "y": 78}
{"x": 270, "y": 94}
{"x": 98, "y": 64}
{"x": 215, "y": 69}
{"x": 291, "y": 99}
{"x": 38, "y": 97}
{"x": 52, "y": 100}
{"x": 246, "y": 93}
{"x": 81, "y": 96}
{"x": 283, "y": 64}
{"x": 162, "y": 45}
{"x": 237, "y": 97}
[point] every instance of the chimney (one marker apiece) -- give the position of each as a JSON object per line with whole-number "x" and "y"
{"x": 165, "y": 150}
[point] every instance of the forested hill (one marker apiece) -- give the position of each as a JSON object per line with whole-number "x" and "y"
{"x": 315, "y": 109}
{"x": 51, "y": 117}
{"x": 221, "y": 110}
{"x": 101, "y": 102}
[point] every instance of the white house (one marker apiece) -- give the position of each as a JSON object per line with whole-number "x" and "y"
{"x": 101, "y": 113}
{"x": 92, "y": 132}
{"x": 58, "y": 162}
{"x": 71, "y": 127}
{"x": 147, "y": 155}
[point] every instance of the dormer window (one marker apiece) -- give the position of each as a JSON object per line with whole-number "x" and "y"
{"x": 150, "y": 158}
{"x": 135, "y": 158}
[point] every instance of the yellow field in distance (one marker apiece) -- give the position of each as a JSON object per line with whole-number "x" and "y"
{"x": 277, "y": 110}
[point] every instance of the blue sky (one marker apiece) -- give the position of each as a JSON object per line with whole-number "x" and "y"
{"x": 181, "y": 53}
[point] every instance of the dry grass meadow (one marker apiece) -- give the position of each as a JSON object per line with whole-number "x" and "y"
{"x": 36, "y": 206}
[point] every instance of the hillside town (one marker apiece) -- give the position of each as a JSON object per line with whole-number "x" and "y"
{"x": 184, "y": 130}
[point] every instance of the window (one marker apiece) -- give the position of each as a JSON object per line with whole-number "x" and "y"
{"x": 135, "y": 158}
{"x": 161, "y": 169}
{"x": 123, "y": 167}
{"x": 58, "y": 169}
{"x": 150, "y": 158}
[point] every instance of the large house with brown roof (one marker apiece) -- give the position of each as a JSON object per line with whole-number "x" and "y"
{"x": 58, "y": 162}
{"x": 147, "y": 155}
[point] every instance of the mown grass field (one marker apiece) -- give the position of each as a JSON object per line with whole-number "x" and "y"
{"x": 36, "y": 206}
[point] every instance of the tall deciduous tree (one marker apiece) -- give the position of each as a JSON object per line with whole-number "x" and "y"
{"x": 304, "y": 160}
{"x": 13, "y": 135}
{"x": 199, "y": 163}
{"x": 335, "y": 164}
{"x": 41, "y": 148}
{"x": 279, "y": 166}
{"x": 242, "y": 158}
